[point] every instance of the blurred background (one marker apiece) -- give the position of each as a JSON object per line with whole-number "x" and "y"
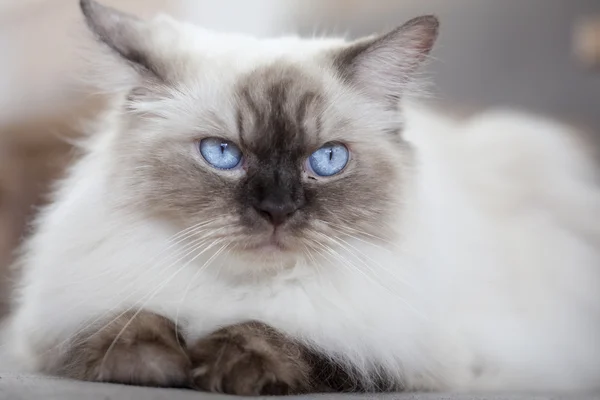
{"x": 541, "y": 56}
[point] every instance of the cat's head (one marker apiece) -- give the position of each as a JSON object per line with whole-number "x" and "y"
{"x": 272, "y": 147}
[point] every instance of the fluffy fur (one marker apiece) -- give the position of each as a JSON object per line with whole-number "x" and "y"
{"x": 450, "y": 255}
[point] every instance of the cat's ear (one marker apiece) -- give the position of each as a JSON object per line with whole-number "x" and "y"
{"x": 143, "y": 44}
{"x": 383, "y": 66}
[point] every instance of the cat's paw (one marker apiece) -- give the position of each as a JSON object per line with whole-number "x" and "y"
{"x": 138, "y": 349}
{"x": 249, "y": 359}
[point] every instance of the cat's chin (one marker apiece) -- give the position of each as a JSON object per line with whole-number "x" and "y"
{"x": 276, "y": 248}
{"x": 269, "y": 248}
{"x": 269, "y": 257}
{"x": 272, "y": 246}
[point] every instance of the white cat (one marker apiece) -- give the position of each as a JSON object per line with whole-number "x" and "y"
{"x": 275, "y": 180}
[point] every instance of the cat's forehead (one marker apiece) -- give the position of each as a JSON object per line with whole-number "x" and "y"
{"x": 279, "y": 108}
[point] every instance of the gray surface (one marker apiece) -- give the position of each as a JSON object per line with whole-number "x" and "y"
{"x": 19, "y": 387}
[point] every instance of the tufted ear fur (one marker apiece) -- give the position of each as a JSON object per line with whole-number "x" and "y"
{"x": 383, "y": 66}
{"x": 146, "y": 45}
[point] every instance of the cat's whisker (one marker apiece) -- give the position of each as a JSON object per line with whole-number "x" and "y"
{"x": 156, "y": 264}
{"x": 192, "y": 280}
{"x": 192, "y": 228}
{"x": 349, "y": 230}
{"x": 140, "y": 309}
{"x": 309, "y": 255}
{"x": 391, "y": 274}
{"x": 188, "y": 249}
{"x": 178, "y": 237}
{"x": 353, "y": 268}
{"x": 315, "y": 265}
{"x": 356, "y": 234}
{"x": 148, "y": 299}
{"x": 341, "y": 245}
{"x": 333, "y": 259}
{"x": 91, "y": 321}
{"x": 196, "y": 245}
{"x": 207, "y": 234}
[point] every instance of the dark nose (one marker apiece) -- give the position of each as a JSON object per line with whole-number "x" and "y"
{"x": 277, "y": 212}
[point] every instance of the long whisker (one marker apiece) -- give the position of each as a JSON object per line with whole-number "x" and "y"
{"x": 194, "y": 245}
{"x": 350, "y": 231}
{"x": 159, "y": 254}
{"x": 353, "y": 268}
{"x": 196, "y": 274}
{"x": 349, "y": 247}
{"x": 193, "y": 250}
{"x": 192, "y": 228}
{"x": 174, "y": 240}
{"x": 150, "y": 297}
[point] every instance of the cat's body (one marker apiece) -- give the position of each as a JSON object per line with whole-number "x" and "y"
{"x": 466, "y": 258}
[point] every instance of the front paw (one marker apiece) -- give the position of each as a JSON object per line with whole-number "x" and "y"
{"x": 249, "y": 359}
{"x": 137, "y": 349}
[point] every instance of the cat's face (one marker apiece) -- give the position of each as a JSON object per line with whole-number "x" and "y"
{"x": 271, "y": 155}
{"x": 281, "y": 165}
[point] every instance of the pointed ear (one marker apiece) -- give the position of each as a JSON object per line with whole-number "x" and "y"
{"x": 134, "y": 40}
{"x": 383, "y": 66}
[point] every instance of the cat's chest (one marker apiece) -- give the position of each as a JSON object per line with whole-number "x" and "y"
{"x": 321, "y": 310}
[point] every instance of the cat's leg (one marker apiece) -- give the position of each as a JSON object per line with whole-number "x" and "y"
{"x": 253, "y": 358}
{"x": 141, "y": 349}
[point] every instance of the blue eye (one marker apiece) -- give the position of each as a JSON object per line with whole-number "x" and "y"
{"x": 329, "y": 159}
{"x": 220, "y": 153}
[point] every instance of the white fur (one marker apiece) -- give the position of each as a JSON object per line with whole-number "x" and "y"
{"x": 494, "y": 284}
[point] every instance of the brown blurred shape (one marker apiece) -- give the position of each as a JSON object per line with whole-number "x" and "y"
{"x": 587, "y": 41}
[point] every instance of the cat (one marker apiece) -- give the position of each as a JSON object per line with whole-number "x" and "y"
{"x": 272, "y": 216}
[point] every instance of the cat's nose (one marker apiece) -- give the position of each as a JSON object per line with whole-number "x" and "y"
{"x": 276, "y": 212}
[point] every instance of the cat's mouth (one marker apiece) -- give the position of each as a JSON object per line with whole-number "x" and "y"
{"x": 273, "y": 244}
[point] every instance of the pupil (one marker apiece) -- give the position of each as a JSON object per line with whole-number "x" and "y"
{"x": 330, "y": 151}
{"x": 223, "y": 147}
